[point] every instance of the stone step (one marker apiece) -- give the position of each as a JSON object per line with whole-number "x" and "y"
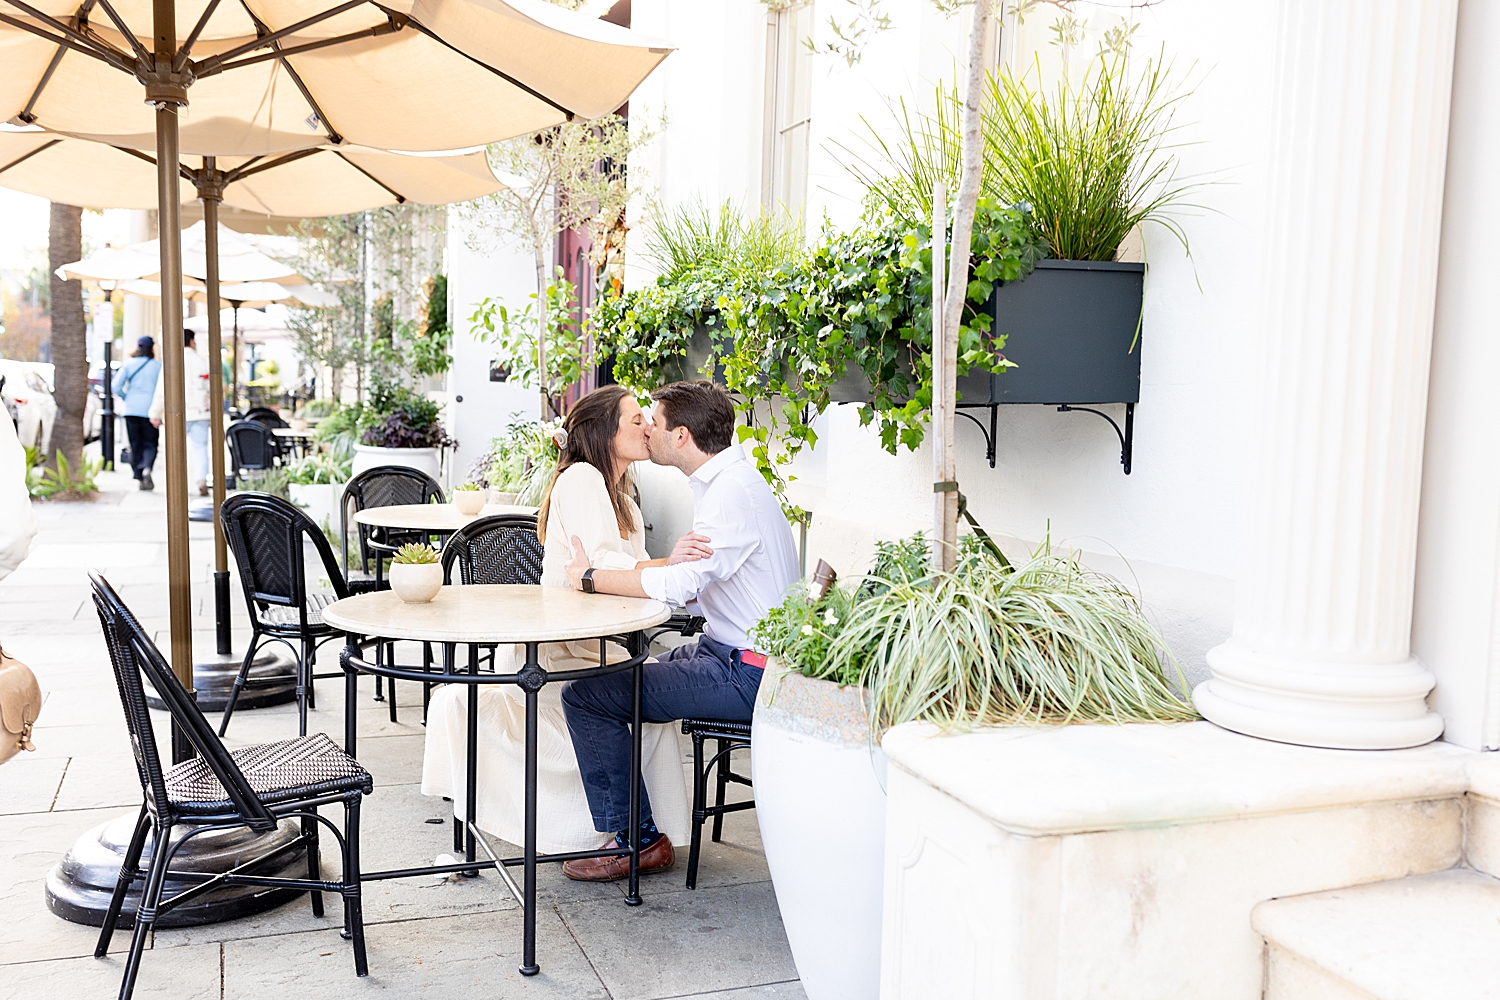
{"x": 1427, "y": 937}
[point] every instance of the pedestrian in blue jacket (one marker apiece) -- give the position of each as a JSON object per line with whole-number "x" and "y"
{"x": 135, "y": 385}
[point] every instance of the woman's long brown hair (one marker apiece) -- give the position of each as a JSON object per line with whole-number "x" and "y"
{"x": 592, "y": 425}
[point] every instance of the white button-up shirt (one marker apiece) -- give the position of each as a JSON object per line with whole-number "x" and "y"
{"x": 754, "y": 562}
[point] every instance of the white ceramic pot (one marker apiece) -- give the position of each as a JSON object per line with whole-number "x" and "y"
{"x": 319, "y": 502}
{"x": 422, "y": 459}
{"x": 416, "y": 583}
{"x": 468, "y": 502}
{"x": 505, "y": 499}
{"x": 820, "y": 801}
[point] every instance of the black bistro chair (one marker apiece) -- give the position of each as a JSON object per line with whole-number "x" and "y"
{"x": 382, "y": 486}
{"x": 256, "y": 787}
{"x": 252, "y": 447}
{"x": 265, "y": 415}
{"x": 266, "y": 534}
{"x": 501, "y": 548}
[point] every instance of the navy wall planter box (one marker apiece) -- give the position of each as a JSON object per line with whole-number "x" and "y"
{"x": 1070, "y": 327}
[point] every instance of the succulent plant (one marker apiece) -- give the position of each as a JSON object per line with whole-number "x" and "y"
{"x": 415, "y": 554}
{"x": 467, "y": 487}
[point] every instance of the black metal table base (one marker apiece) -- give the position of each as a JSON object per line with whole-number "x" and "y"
{"x": 273, "y": 680}
{"x": 531, "y": 678}
{"x": 78, "y": 887}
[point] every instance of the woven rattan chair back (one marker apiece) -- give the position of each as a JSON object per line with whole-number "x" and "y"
{"x": 266, "y": 535}
{"x": 266, "y": 416}
{"x": 501, "y": 548}
{"x": 384, "y": 486}
{"x": 251, "y": 446}
{"x": 133, "y": 656}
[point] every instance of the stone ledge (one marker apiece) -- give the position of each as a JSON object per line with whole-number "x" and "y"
{"x": 1428, "y": 937}
{"x": 1089, "y": 778}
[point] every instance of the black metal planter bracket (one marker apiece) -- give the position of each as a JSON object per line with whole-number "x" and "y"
{"x": 989, "y": 435}
{"x": 1127, "y": 436}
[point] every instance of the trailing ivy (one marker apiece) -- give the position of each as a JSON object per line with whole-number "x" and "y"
{"x": 859, "y": 302}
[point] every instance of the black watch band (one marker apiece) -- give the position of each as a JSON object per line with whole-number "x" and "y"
{"x": 588, "y": 580}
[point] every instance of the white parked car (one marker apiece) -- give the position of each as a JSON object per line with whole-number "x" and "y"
{"x": 29, "y": 403}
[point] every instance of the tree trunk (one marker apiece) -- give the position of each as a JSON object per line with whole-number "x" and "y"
{"x": 69, "y": 344}
{"x": 945, "y": 354}
{"x": 539, "y": 249}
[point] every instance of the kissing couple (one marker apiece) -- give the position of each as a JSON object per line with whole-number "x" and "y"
{"x": 736, "y": 564}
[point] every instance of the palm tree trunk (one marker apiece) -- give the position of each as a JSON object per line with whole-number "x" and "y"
{"x": 69, "y": 345}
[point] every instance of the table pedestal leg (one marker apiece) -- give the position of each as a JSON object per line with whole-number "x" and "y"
{"x": 471, "y": 788}
{"x": 351, "y": 690}
{"x": 528, "y": 914}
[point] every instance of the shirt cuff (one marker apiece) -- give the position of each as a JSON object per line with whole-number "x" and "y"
{"x": 654, "y": 582}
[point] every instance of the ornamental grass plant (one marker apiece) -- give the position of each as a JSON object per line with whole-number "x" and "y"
{"x": 1046, "y": 641}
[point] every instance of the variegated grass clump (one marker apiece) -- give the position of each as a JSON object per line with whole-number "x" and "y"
{"x": 1046, "y": 641}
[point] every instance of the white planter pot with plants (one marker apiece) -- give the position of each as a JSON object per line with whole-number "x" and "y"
{"x": 820, "y": 801}
{"x": 1044, "y": 641}
{"x": 319, "y": 501}
{"x": 400, "y": 427}
{"x": 469, "y": 498}
{"x": 416, "y": 573}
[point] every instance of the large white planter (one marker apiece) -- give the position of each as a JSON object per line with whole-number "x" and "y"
{"x": 422, "y": 459}
{"x": 820, "y": 801}
{"x": 319, "y": 502}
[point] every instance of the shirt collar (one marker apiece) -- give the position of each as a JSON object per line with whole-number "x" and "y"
{"x": 723, "y": 460}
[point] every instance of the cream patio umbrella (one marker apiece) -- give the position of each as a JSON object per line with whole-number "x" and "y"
{"x": 275, "y": 76}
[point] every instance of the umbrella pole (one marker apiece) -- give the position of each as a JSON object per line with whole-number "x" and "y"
{"x": 169, "y": 97}
{"x": 210, "y": 191}
{"x": 234, "y": 369}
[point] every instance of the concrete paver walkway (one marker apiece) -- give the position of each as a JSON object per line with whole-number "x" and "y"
{"x": 723, "y": 940}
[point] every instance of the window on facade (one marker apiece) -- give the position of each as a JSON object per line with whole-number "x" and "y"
{"x": 788, "y": 110}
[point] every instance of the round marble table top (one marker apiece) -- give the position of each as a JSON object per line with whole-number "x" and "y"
{"x": 485, "y": 613}
{"x": 430, "y": 516}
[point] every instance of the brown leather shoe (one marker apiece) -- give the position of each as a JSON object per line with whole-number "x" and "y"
{"x": 656, "y": 858}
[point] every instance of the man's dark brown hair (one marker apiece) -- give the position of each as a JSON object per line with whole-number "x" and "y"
{"x": 703, "y": 408}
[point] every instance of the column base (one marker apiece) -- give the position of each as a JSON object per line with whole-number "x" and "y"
{"x": 1344, "y": 706}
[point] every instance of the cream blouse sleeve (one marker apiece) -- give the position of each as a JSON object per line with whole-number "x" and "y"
{"x": 581, "y": 507}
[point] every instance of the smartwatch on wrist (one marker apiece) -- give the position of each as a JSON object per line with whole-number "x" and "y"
{"x": 588, "y": 580}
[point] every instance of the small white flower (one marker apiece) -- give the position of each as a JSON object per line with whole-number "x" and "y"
{"x": 830, "y": 618}
{"x": 807, "y": 630}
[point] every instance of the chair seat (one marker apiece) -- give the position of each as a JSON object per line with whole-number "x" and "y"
{"x": 716, "y": 727}
{"x": 301, "y": 768}
{"x": 281, "y": 614}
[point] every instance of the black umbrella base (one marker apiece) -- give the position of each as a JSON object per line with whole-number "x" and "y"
{"x": 80, "y": 885}
{"x": 273, "y": 680}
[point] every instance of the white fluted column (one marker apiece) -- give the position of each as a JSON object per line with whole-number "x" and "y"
{"x": 1320, "y": 653}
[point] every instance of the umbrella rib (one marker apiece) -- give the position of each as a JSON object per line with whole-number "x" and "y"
{"x": 246, "y": 170}
{"x": 135, "y": 43}
{"x": 500, "y": 73}
{"x": 333, "y": 133}
{"x": 70, "y": 38}
{"x": 213, "y": 63}
{"x": 181, "y": 59}
{"x": 400, "y": 198}
{"x": 26, "y": 156}
{"x": 26, "y": 115}
{"x": 322, "y": 43}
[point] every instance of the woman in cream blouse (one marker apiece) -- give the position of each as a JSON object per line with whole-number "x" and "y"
{"x": 589, "y": 498}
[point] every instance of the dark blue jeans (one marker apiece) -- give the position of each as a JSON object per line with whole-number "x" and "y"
{"x": 700, "y": 680}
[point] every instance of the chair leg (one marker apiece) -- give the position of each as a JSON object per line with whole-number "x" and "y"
{"x": 426, "y": 688}
{"x": 722, "y": 773}
{"x": 310, "y": 656}
{"x": 310, "y": 830}
{"x": 145, "y": 914}
{"x": 353, "y": 912}
{"x": 700, "y": 792}
{"x": 129, "y": 869}
{"x": 239, "y": 681}
{"x": 391, "y": 687}
{"x": 379, "y": 661}
{"x": 304, "y": 681}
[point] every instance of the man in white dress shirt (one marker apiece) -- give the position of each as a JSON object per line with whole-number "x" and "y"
{"x": 747, "y": 564}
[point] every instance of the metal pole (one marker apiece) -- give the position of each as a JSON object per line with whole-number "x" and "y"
{"x": 169, "y": 94}
{"x": 210, "y": 191}
{"x": 107, "y": 414}
{"x": 234, "y": 367}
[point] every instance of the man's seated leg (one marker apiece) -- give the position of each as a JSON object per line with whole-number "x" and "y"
{"x": 701, "y": 679}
